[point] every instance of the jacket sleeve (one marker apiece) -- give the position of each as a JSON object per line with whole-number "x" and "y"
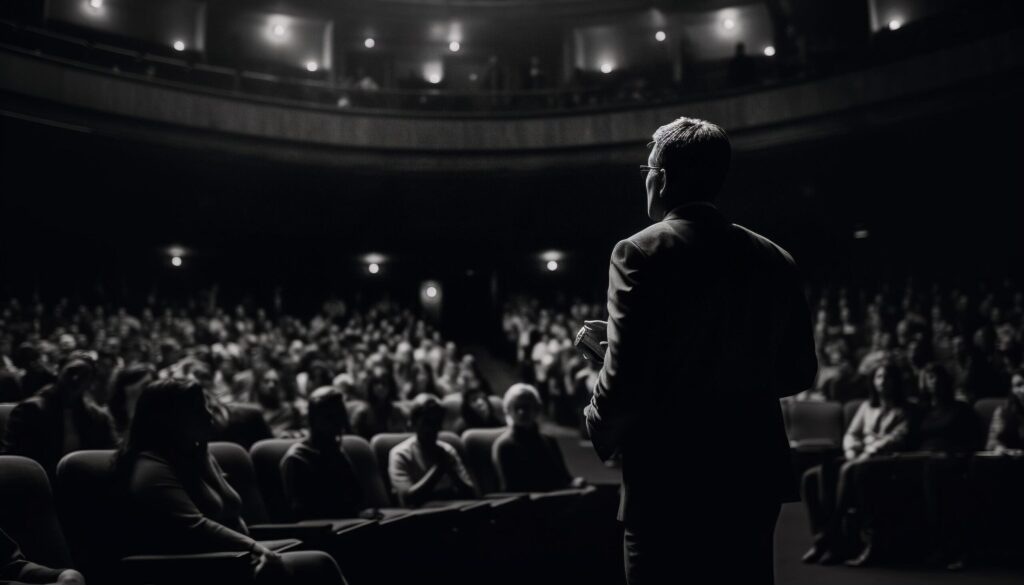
{"x": 894, "y": 439}
{"x": 619, "y": 388}
{"x": 156, "y": 489}
{"x": 796, "y": 363}
{"x": 14, "y": 568}
{"x": 23, "y": 428}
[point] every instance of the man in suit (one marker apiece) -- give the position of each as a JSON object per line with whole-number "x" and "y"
{"x": 708, "y": 327}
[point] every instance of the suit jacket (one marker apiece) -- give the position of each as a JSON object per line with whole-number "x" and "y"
{"x": 708, "y": 327}
{"x": 36, "y": 429}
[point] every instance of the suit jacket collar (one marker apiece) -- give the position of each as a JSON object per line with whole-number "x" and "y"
{"x": 697, "y": 211}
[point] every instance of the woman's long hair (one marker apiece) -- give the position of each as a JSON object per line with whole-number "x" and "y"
{"x": 161, "y": 413}
{"x": 118, "y": 403}
{"x": 893, "y": 376}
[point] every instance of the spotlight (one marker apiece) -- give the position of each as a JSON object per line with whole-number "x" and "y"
{"x": 552, "y": 265}
{"x": 369, "y": 43}
{"x": 660, "y": 36}
{"x": 454, "y": 46}
{"x": 769, "y": 51}
{"x": 606, "y": 67}
{"x": 434, "y": 78}
{"x": 176, "y": 261}
{"x": 895, "y": 24}
{"x": 97, "y": 4}
{"x": 278, "y": 30}
{"x": 311, "y": 66}
{"x": 728, "y": 24}
{"x": 374, "y": 268}
{"x": 179, "y": 46}
{"x": 432, "y": 292}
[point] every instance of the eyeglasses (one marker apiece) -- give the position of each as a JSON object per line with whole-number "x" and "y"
{"x": 644, "y": 169}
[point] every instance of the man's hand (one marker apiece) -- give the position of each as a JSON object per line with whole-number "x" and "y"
{"x": 70, "y": 577}
{"x": 591, "y": 340}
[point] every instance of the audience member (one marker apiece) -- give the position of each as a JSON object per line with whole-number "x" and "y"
{"x": 1006, "y": 433}
{"x": 424, "y": 468}
{"x": 527, "y": 459}
{"x": 319, "y": 479}
{"x": 58, "y": 419}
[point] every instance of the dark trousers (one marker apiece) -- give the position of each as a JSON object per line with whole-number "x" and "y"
{"x": 735, "y": 543}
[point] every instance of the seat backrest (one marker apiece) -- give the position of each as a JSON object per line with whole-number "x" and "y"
{"x": 90, "y": 504}
{"x": 28, "y": 514}
{"x": 814, "y": 420}
{"x": 382, "y": 444}
{"x": 479, "y": 444}
{"x": 241, "y": 476}
{"x": 364, "y": 462}
{"x": 986, "y": 408}
{"x": 849, "y": 410}
{"x": 266, "y": 461}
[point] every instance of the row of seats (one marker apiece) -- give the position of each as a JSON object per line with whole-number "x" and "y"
{"x": 813, "y": 424}
{"x": 467, "y": 537}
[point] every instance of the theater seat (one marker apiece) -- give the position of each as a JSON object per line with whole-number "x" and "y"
{"x": 479, "y": 444}
{"x": 814, "y": 425}
{"x": 27, "y": 513}
{"x": 91, "y": 509}
{"x": 5, "y": 415}
{"x": 241, "y": 475}
{"x": 266, "y": 460}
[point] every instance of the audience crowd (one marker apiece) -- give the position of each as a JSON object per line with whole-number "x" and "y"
{"x": 158, "y": 385}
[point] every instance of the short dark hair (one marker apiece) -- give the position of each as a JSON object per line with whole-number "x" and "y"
{"x": 697, "y": 151}
{"x": 426, "y": 407}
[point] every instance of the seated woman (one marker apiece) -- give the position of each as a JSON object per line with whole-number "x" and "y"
{"x": 880, "y": 426}
{"x": 58, "y": 420}
{"x": 476, "y": 411}
{"x": 947, "y": 425}
{"x": 178, "y": 497}
{"x": 14, "y": 569}
{"x": 528, "y": 460}
{"x": 1006, "y": 432}
{"x": 319, "y": 479}
{"x": 423, "y": 468}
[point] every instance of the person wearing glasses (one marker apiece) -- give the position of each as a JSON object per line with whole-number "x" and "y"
{"x": 707, "y": 328}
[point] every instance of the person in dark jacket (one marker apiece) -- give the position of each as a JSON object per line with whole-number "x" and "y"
{"x": 947, "y": 425}
{"x": 58, "y": 420}
{"x": 528, "y": 460}
{"x": 704, "y": 317}
{"x": 15, "y": 569}
{"x": 319, "y": 478}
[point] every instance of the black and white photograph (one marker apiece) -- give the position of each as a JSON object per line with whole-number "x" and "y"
{"x": 504, "y": 292}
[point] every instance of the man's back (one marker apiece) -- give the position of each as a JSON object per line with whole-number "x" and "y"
{"x": 708, "y": 328}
